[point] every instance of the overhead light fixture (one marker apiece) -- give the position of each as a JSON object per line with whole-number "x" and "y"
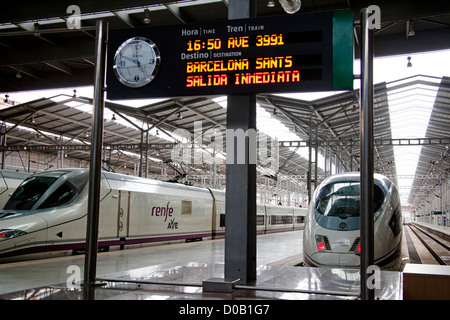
{"x": 270, "y": 3}
{"x": 291, "y": 6}
{"x": 18, "y": 75}
{"x": 409, "y": 64}
{"x": 179, "y": 116}
{"x": 113, "y": 117}
{"x": 146, "y": 19}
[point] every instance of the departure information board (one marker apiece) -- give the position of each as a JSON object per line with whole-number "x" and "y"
{"x": 295, "y": 53}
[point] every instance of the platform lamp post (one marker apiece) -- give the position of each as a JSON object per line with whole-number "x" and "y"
{"x": 366, "y": 153}
{"x": 90, "y": 263}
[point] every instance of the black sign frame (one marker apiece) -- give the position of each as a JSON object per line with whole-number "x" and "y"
{"x": 296, "y": 53}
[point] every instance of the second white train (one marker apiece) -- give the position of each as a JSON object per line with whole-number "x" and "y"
{"x": 331, "y": 237}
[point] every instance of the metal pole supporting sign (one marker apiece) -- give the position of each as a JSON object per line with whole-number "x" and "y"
{"x": 366, "y": 152}
{"x": 240, "y": 230}
{"x": 90, "y": 263}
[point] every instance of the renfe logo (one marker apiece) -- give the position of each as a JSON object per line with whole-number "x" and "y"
{"x": 162, "y": 211}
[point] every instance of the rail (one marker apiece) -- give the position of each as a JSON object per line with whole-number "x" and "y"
{"x": 427, "y": 245}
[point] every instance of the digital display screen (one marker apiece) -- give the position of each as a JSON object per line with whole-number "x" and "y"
{"x": 263, "y": 55}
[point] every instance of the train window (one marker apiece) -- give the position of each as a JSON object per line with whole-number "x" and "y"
{"x": 396, "y": 221}
{"x": 29, "y": 192}
{"x": 62, "y": 195}
{"x": 280, "y": 219}
{"x": 222, "y": 220}
{"x": 66, "y": 192}
{"x": 342, "y": 199}
{"x": 186, "y": 207}
{"x": 259, "y": 220}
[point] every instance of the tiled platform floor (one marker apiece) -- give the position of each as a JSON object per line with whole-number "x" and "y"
{"x": 274, "y": 282}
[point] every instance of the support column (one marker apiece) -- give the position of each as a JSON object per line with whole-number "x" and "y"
{"x": 141, "y": 152}
{"x": 240, "y": 229}
{"x": 3, "y": 136}
{"x": 316, "y": 157}
{"x": 90, "y": 263}
{"x": 366, "y": 160}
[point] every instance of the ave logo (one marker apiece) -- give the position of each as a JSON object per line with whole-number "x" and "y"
{"x": 172, "y": 224}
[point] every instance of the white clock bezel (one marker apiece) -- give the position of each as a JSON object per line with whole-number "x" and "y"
{"x": 146, "y": 79}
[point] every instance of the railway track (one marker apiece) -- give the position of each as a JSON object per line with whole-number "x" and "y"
{"x": 439, "y": 249}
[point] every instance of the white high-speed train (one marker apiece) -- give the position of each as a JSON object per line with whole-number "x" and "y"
{"x": 331, "y": 237}
{"x": 46, "y": 215}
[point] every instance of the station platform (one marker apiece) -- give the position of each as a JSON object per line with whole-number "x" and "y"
{"x": 441, "y": 231}
{"x": 178, "y": 272}
{"x": 184, "y": 281}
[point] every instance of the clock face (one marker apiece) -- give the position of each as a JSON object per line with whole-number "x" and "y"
{"x": 136, "y": 62}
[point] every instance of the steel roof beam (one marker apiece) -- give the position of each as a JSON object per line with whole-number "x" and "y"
{"x": 61, "y": 67}
{"x": 126, "y": 18}
{"x": 178, "y": 13}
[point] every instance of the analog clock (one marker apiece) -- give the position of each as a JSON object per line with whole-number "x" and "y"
{"x": 136, "y": 62}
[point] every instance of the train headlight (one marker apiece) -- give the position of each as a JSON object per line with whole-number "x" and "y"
{"x": 322, "y": 243}
{"x": 6, "y": 234}
{"x": 321, "y": 246}
{"x": 358, "y": 250}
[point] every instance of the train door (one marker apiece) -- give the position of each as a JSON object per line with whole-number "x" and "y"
{"x": 123, "y": 215}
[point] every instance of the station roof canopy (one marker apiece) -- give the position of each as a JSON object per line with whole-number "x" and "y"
{"x": 62, "y": 124}
{"x": 40, "y": 52}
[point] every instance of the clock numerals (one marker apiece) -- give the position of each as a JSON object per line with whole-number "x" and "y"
{"x": 136, "y": 62}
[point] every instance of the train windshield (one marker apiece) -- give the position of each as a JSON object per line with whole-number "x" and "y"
{"x": 341, "y": 199}
{"x": 30, "y": 194}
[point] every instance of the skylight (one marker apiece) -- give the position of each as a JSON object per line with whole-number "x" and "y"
{"x": 410, "y": 107}
{"x": 275, "y": 129}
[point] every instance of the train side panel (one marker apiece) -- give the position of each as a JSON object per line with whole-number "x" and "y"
{"x": 261, "y": 219}
{"x": 133, "y": 211}
{"x": 148, "y": 211}
{"x": 279, "y": 218}
{"x": 388, "y": 232}
{"x": 299, "y": 217}
{"x": 67, "y": 224}
{"x": 218, "y": 213}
